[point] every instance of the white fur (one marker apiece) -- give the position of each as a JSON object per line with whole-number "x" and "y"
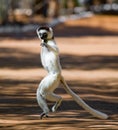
{"x": 50, "y": 61}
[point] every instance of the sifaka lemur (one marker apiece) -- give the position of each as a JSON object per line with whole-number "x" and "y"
{"x": 50, "y": 61}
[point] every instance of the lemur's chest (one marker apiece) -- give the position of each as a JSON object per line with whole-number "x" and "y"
{"x": 48, "y": 57}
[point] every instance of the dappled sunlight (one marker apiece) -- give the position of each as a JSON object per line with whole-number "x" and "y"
{"x": 89, "y": 64}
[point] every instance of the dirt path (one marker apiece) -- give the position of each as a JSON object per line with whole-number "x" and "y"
{"x": 89, "y": 60}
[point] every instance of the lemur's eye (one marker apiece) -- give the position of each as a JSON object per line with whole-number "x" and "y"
{"x": 44, "y": 34}
{"x": 40, "y": 33}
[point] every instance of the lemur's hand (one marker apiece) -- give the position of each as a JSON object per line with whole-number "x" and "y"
{"x": 44, "y": 44}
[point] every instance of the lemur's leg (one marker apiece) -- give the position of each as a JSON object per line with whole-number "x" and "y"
{"x": 42, "y": 103}
{"x": 45, "y": 90}
{"x": 56, "y": 98}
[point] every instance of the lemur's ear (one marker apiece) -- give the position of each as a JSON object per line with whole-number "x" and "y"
{"x": 37, "y": 30}
{"x": 50, "y": 29}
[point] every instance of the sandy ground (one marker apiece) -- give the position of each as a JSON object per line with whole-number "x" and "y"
{"x": 89, "y": 58}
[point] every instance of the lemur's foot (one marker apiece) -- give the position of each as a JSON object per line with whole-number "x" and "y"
{"x": 57, "y": 104}
{"x": 43, "y": 115}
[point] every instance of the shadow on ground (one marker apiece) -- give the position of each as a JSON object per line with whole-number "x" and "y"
{"x": 63, "y": 30}
{"x": 81, "y": 31}
{"x": 17, "y": 59}
{"x": 18, "y": 96}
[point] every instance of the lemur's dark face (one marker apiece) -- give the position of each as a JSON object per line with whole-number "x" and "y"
{"x": 45, "y": 33}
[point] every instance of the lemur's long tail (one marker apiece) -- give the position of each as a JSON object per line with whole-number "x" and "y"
{"x": 94, "y": 112}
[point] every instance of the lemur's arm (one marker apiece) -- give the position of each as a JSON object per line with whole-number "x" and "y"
{"x": 52, "y": 47}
